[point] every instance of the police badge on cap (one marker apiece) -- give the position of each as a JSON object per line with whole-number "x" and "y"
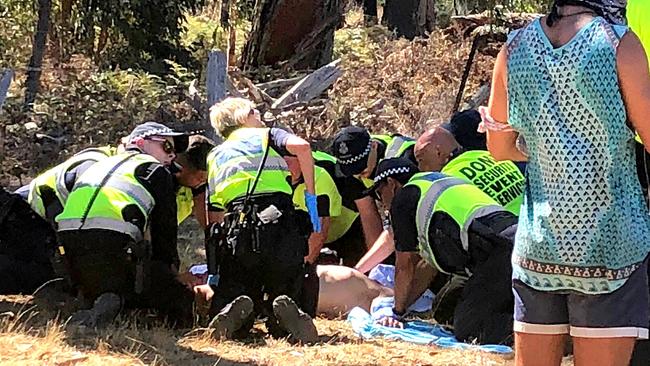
{"x": 351, "y": 147}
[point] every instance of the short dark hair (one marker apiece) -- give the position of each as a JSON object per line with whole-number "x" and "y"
{"x": 196, "y": 154}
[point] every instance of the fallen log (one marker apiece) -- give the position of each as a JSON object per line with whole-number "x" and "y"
{"x": 311, "y": 85}
{"x": 273, "y": 86}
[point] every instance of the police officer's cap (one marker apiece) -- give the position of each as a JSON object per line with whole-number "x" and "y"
{"x": 400, "y": 169}
{"x": 351, "y": 147}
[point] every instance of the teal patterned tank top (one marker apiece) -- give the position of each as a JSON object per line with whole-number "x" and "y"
{"x": 584, "y": 225}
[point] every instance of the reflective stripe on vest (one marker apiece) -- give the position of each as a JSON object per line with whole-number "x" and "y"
{"x": 501, "y": 180}
{"x": 54, "y": 178}
{"x": 398, "y": 146}
{"x": 462, "y": 201}
{"x": 102, "y": 223}
{"x": 232, "y": 167}
{"x": 120, "y": 190}
{"x": 95, "y": 154}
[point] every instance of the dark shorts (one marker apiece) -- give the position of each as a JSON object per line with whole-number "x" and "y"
{"x": 622, "y": 313}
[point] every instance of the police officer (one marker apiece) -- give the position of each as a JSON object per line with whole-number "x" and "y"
{"x": 329, "y": 204}
{"x": 464, "y": 127}
{"x": 458, "y": 230}
{"x": 261, "y": 238}
{"x": 359, "y": 225}
{"x": 118, "y": 230}
{"x": 438, "y": 151}
{"x": 192, "y": 178}
{"x": 27, "y": 244}
{"x": 48, "y": 192}
{"x": 358, "y": 153}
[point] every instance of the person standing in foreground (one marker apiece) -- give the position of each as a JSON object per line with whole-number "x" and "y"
{"x": 569, "y": 83}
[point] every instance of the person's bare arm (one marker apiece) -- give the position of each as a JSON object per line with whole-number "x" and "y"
{"x": 301, "y": 149}
{"x": 317, "y": 240}
{"x": 370, "y": 220}
{"x": 405, "y": 265}
{"x": 199, "y": 210}
{"x": 502, "y": 144}
{"x": 383, "y": 247}
{"x": 634, "y": 79}
{"x": 424, "y": 275}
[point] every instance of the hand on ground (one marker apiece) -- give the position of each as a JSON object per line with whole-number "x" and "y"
{"x": 388, "y": 321}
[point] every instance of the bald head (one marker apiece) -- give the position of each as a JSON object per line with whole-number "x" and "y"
{"x": 434, "y": 148}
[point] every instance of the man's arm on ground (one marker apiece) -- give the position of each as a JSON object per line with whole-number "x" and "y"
{"x": 383, "y": 247}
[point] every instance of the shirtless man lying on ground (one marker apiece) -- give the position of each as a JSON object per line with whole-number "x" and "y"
{"x": 340, "y": 289}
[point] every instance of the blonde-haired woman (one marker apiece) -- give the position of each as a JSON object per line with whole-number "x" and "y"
{"x": 265, "y": 239}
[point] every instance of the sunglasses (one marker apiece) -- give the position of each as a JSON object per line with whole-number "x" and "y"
{"x": 377, "y": 192}
{"x": 167, "y": 146}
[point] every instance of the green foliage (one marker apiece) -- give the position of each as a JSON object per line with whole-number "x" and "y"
{"x": 142, "y": 33}
{"x": 17, "y": 20}
{"x": 96, "y": 108}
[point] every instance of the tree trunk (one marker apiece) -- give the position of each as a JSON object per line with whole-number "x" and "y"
{"x": 298, "y": 31}
{"x": 38, "y": 50}
{"x": 410, "y": 18}
{"x": 369, "y": 8}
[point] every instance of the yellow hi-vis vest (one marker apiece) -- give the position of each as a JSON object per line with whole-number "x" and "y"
{"x": 501, "y": 180}
{"x": 340, "y": 224}
{"x": 54, "y": 178}
{"x": 233, "y": 165}
{"x": 184, "y": 203}
{"x": 462, "y": 201}
{"x": 325, "y": 186}
{"x": 395, "y": 145}
{"x": 120, "y": 190}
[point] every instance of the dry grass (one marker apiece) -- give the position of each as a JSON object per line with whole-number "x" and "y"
{"x": 30, "y": 335}
{"x": 27, "y": 343}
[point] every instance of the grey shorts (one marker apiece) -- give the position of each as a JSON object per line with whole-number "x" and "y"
{"x": 622, "y": 313}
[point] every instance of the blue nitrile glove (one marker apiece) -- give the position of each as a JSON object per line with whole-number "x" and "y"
{"x": 312, "y": 208}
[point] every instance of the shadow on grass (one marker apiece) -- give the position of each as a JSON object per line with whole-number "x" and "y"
{"x": 133, "y": 334}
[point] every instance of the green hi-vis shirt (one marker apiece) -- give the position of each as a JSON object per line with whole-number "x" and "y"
{"x": 501, "y": 180}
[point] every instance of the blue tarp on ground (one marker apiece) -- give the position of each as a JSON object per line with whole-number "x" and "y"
{"x": 414, "y": 332}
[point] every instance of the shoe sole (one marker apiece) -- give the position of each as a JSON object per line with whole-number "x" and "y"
{"x": 229, "y": 321}
{"x": 300, "y": 325}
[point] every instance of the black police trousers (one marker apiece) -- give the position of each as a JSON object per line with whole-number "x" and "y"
{"x": 27, "y": 244}
{"x": 98, "y": 263}
{"x": 265, "y": 261}
{"x": 484, "y": 306}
